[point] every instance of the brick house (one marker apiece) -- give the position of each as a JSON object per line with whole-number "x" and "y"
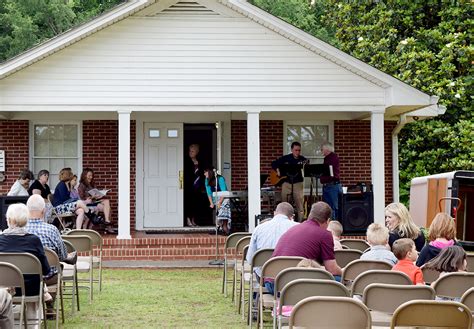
{"x": 127, "y": 92}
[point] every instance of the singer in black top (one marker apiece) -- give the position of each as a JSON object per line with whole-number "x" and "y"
{"x": 331, "y": 185}
{"x": 294, "y": 158}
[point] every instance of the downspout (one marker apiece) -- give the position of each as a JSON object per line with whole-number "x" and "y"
{"x": 395, "y": 164}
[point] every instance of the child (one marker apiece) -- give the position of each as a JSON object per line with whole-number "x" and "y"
{"x": 377, "y": 236}
{"x": 450, "y": 259}
{"x": 405, "y": 251}
{"x": 335, "y": 228}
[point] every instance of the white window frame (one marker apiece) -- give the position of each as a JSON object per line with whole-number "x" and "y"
{"x": 32, "y": 124}
{"x": 329, "y": 123}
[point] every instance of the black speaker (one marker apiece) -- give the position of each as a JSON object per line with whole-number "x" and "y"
{"x": 356, "y": 212}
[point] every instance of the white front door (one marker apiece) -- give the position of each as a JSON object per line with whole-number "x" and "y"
{"x": 162, "y": 177}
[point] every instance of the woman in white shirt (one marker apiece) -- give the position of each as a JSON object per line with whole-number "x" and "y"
{"x": 20, "y": 187}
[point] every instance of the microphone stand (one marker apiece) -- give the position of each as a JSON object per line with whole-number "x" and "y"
{"x": 216, "y": 261}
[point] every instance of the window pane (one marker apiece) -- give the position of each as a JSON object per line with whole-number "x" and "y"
{"x": 70, "y": 132}
{"x": 73, "y": 164}
{"x": 311, "y": 138}
{"x": 70, "y": 149}
{"x": 41, "y": 148}
{"x": 56, "y": 132}
{"x": 55, "y": 148}
{"x": 55, "y": 166}
{"x": 40, "y": 164}
{"x": 41, "y": 132}
{"x": 53, "y": 181}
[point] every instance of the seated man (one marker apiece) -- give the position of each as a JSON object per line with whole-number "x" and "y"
{"x": 48, "y": 233}
{"x": 266, "y": 235}
{"x": 6, "y": 309}
{"x": 311, "y": 239}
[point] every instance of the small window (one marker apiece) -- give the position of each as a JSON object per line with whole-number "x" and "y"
{"x": 154, "y": 133}
{"x": 173, "y": 133}
{"x": 55, "y": 146}
{"x": 311, "y": 137}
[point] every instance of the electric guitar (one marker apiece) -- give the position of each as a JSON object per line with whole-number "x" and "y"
{"x": 275, "y": 179}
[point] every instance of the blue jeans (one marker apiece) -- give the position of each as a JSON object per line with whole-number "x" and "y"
{"x": 331, "y": 197}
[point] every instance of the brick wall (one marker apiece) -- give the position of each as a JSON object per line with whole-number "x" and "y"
{"x": 14, "y": 140}
{"x": 271, "y": 145}
{"x": 352, "y": 144}
{"x": 100, "y": 152}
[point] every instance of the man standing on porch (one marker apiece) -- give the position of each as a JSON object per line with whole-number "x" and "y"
{"x": 293, "y": 159}
{"x": 331, "y": 184}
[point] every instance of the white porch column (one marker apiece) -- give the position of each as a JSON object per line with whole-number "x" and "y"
{"x": 378, "y": 164}
{"x": 124, "y": 175}
{"x": 253, "y": 165}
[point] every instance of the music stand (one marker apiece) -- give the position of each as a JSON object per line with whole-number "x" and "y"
{"x": 316, "y": 171}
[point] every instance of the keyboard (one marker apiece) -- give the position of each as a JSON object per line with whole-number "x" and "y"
{"x": 231, "y": 194}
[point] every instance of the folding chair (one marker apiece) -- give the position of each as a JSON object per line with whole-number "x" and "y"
{"x": 383, "y": 299}
{"x": 61, "y": 217}
{"x": 329, "y": 313}
{"x": 83, "y": 244}
{"x": 453, "y": 285}
{"x": 378, "y": 276}
{"x": 12, "y": 277}
{"x": 361, "y": 245}
{"x": 28, "y": 264}
{"x": 97, "y": 242}
{"x": 244, "y": 279}
{"x": 433, "y": 314}
{"x": 356, "y": 267}
{"x": 345, "y": 256}
{"x": 293, "y": 273}
{"x": 429, "y": 275}
{"x": 270, "y": 270}
{"x": 299, "y": 289}
{"x": 57, "y": 288}
{"x": 230, "y": 243}
{"x": 468, "y": 299}
{"x": 69, "y": 274}
{"x": 239, "y": 264}
{"x": 258, "y": 259}
{"x": 470, "y": 262}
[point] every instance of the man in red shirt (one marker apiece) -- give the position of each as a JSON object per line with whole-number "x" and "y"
{"x": 311, "y": 239}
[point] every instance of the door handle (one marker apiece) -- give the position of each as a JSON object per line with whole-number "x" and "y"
{"x": 181, "y": 179}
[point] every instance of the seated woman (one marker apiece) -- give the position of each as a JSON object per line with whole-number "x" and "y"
{"x": 64, "y": 204}
{"x": 401, "y": 225}
{"x": 223, "y": 205}
{"x": 100, "y": 204}
{"x": 21, "y": 185}
{"x": 40, "y": 186}
{"x": 72, "y": 187}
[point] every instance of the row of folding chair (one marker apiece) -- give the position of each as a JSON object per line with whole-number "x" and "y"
{"x": 326, "y": 313}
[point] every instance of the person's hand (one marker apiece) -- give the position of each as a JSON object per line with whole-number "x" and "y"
{"x": 88, "y": 200}
{"x": 212, "y": 205}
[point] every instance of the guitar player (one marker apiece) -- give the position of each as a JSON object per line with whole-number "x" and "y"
{"x": 296, "y": 159}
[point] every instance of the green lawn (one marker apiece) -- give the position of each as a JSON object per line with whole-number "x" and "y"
{"x": 157, "y": 298}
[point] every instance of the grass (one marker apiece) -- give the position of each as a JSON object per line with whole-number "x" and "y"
{"x": 157, "y": 298}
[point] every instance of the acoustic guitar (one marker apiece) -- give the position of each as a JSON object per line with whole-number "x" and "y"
{"x": 275, "y": 179}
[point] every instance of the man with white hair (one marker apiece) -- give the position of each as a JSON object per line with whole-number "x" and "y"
{"x": 48, "y": 233}
{"x": 331, "y": 184}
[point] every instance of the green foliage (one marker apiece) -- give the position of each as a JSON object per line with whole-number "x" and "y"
{"x": 25, "y": 23}
{"x": 425, "y": 43}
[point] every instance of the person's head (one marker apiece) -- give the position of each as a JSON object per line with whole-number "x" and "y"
{"x": 25, "y": 177}
{"x": 398, "y": 219}
{"x": 308, "y": 263}
{"x": 286, "y": 209}
{"x": 210, "y": 176}
{"x": 43, "y": 176}
{"x": 321, "y": 213}
{"x": 65, "y": 174}
{"x": 193, "y": 150}
{"x": 73, "y": 181}
{"x": 35, "y": 206}
{"x": 336, "y": 228}
{"x": 87, "y": 177}
{"x": 17, "y": 215}
{"x": 296, "y": 149}
{"x": 450, "y": 259}
{"x": 442, "y": 226}
{"x": 327, "y": 148}
{"x": 377, "y": 235}
{"x": 405, "y": 249}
